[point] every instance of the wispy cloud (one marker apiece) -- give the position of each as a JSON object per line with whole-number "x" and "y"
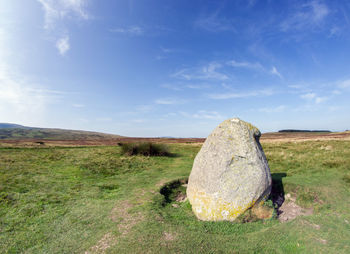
{"x": 274, "y": 71}
{"x": 256, "y": 66}
{"x": 169, "y": 101}
{"x": 168, "y": 50}
{"x": 244, "y": 64}
{"x": 181, "y": 87}
{"x": 130, "y": 30}
{"x": 55, "y": 11}
{"x": 256, "y": 93}
{"x": 63, "y": 45}
{"x": 214, "y": 23}
{"x": 313, "y": 97}
{"x": 207, "y": 72}
{"x": 308, "y": 96}
{"x": 344, "y": 84}
{"x": 307, "y": 16}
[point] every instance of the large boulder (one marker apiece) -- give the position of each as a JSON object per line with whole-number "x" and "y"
{"x": 230, "y": 173}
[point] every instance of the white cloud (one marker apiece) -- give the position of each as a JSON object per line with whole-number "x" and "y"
{"x": 169, "y": 101}
{"x": 308, "y": 96}
{"x": 248, "y": 65}
{"x": 313, "y": 97}
{"x": 297, "y": 86}
{"x": 59, "y": 9}
{"x": 320, "y": 99}
{"x": 181, "y": 87}
{"x": 167, "y": 50}
{"x": 63, "y": 45}
{"x": 197, "y": 86}
{"x": 131, "y": 30}
{"x": 277, "y": 109}
{"x": 344, "y": 84}
{"x": 307, "y": 16}
{"x": 223, "y": 96}
{"x": 254, "y": 66}
{"x": 274, "y": 71}
{"x": 55, "y": 12}
{"x": 171, "y": 114}
{"x": 207, "y": 72}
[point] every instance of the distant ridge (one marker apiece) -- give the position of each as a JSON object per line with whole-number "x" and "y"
{"x": 293, "y": 130}
{"x": 16, "y": 131}
{"x": 12, "y": 125}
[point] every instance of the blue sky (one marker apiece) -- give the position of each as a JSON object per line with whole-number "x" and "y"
{"x": 174, "y": 68}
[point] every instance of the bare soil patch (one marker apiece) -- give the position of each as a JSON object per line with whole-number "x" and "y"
{"x": 289, "y": 210}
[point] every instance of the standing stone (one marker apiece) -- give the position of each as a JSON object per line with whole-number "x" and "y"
{"x": 230, "y": 173}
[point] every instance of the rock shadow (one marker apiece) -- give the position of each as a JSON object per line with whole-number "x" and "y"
{"x": 173, "y": 190}
{"x": 277, "y": 190}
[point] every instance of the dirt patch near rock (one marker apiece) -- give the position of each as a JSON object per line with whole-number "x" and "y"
{"x": 289, "y": 210}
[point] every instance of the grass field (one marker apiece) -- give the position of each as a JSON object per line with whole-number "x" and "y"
{"x": 96, "y": 200}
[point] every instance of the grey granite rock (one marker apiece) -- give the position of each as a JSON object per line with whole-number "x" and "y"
{"x": 230, "y": 173}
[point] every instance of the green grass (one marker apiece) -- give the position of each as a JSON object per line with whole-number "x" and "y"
{"x": 64, "y": 200}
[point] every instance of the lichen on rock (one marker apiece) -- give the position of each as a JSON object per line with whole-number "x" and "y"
{"x": 230, "y": 173}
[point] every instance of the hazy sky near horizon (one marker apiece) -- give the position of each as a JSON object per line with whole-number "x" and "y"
{"x": 174, "y": 68}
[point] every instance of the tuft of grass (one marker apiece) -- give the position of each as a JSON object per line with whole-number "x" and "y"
{"x": 145, "y": 149}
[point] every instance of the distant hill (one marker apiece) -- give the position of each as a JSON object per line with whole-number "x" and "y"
{"x": 12, "y": 125}
{"x": 15, "y": 131}
{"x": 293, "y": 130}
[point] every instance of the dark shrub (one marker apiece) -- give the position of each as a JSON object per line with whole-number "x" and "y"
{"x": 146, "y": 149}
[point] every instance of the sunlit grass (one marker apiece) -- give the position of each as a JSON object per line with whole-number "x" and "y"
{"x": 64, "y": 200}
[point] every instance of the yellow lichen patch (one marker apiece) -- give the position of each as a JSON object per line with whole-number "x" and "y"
{"x": 215, "y": 209}
{"x": 262, "y": 212}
